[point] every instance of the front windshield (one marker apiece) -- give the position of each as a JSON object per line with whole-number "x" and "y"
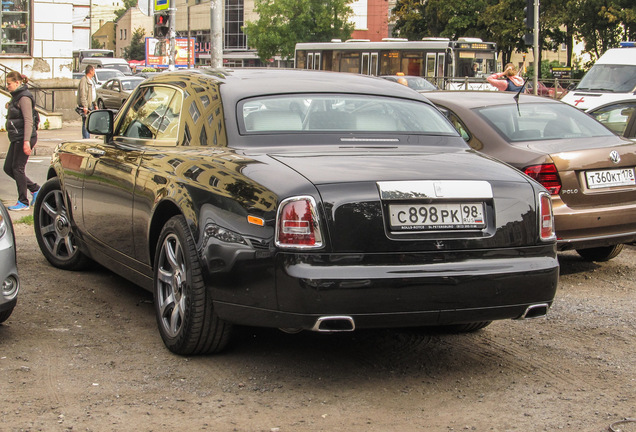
{"x": 541, "y": 121}
{"x": 341, "y": 113}
{"x": 609, "y": 78}
{"x": 470, "y": 64}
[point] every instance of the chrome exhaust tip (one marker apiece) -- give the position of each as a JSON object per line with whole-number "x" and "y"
{"x": 334, "y": 324}
{"x": 535, "y": 311}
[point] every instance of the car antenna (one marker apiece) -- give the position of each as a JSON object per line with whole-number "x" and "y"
{"x": 516, "y": 97}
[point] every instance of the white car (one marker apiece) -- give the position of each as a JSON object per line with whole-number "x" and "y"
{"x": 103, "y": 75}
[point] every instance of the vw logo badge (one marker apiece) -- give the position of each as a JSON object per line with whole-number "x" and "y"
{"x": 615, "y": 157}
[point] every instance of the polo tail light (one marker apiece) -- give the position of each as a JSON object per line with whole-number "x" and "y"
{"x": 547, "y": 175}
{"x": 546, "y": 219}
{"x": 297, "y": 224}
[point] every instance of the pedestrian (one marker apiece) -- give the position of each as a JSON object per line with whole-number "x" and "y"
{"x": 508, "y": 80}
{"x": 86, "y": 95}
{"x": 22, "y": 123}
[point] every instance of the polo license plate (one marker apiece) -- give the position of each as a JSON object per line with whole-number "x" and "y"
{"x": 607, "y": 178}
{"x": 446, "y": 216}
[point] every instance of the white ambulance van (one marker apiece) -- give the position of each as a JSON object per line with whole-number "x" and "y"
{"x": 612, "y": 78}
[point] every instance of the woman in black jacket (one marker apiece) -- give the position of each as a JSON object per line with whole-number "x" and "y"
{"x": 22, "y": 129}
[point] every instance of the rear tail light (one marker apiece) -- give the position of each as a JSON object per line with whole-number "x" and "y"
{"x": 546, "y": 220}
{"x": 547, "y": 175}
{"x": 297, "y": 224}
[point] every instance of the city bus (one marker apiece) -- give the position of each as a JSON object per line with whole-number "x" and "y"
{"x": 464, "y": 63}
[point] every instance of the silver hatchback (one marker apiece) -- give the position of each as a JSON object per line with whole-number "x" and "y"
{"x": 8, "y": 267}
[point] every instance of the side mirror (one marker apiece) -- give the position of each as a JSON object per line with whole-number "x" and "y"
{"x": 100, "y": 122}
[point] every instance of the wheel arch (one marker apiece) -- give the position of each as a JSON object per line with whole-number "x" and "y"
{"x": 164, "y": 211}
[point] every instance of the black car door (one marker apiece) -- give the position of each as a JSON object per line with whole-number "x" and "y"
{"x": 112, "y": 174}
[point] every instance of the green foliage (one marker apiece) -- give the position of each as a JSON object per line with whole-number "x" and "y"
{"x": 46, "y": 124}
{"x": 601, "y": 24}
{"x": 137, "y": 48}
{"x": 127, "y": 5}
{"x": 283, "y": 23}
{"x": 95, "y": 43}
{"x": 27, "y": 220}
{"x": 546, "y": 72}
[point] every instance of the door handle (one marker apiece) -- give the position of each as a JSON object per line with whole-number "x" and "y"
{"x": 95, "y": 152}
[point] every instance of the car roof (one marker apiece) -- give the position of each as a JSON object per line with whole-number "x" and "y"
{"x": 249, "y": 82}
{"x": 477, "y": 99}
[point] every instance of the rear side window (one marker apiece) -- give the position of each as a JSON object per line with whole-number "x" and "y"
{"x": 340, "y": 113}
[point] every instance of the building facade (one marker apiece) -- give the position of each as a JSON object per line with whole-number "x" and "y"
{"x": 132, "y": 20}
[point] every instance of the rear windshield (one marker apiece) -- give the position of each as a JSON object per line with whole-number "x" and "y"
{"x": 541, "y": 121}
{"x": 340, "y": 113}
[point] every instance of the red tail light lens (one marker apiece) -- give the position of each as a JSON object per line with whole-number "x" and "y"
{"x": 547, "y": 175}
{"x": 546, "y": 220}
{"x": 297, "y": 224}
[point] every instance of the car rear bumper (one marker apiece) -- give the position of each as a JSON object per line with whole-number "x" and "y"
{"x": 423, "y": 289}
{"x": 603, "y": 226}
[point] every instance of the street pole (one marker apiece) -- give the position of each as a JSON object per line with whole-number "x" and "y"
{"x": 216, "y": 33}
{"x": 173, "y": 35}
{"x": 537, "y": 60}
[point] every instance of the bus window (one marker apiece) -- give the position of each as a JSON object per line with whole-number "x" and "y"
{"x": 301, "y": 61}
{"x": 412, "y": 63}
{"x": 350, "y": 62}
{"x": 390, "y": 63}
{"x": 440, "y": 64}
{"x": 430, "y": 65}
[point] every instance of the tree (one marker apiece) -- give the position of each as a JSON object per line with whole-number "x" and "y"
{"x": 127, "y": 5}
{"x": 137, "y": 48}
{"x": 283, "y": 23}
{"x": 96, "y": 44}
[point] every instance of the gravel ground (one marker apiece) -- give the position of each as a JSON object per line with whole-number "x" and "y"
{"x": 81, "y": 352}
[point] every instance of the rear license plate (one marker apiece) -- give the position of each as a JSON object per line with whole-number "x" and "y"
{"x": 607, "y": 178}
{"x": 406, "y": 217}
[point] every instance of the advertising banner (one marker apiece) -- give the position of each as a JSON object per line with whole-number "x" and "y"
{"x": 158, "y": 50}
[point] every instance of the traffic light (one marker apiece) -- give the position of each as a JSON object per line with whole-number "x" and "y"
{"x": 162, "y": 24}
{"x": 528, "y": 11}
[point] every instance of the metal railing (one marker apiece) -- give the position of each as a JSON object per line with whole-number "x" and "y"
{"x": 44, "y": 99}
{"x": 546, "y": 86}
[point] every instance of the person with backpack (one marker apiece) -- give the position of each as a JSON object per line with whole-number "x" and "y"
{"x": 22, "y": 123}
{"x": 508, "y": 80}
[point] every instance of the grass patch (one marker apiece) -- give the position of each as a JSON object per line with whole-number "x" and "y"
{"x": 28, "y": 220}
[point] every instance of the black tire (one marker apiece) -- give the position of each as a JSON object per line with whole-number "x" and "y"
{"x": 600, "y": 254}
{"x": 184, "y": 310}
{"x": 53, "y": 231}
{"x": 4, "y": 315}
{"x": 464, "y": 328}
{"x": 100, "y": 104}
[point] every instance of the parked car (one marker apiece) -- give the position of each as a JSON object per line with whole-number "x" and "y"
{"x": 103, "y": 75}
{"x": 107, "y": 63}
{"x": 618, "y": 117}
{"x": 588, "y": 170}
{"x": 417, "y": 83}
{"x": 544, "y": 90}
{"x": 8, "y": 266}
{"x": 114, "y": 92}
{"x": 300, "y": 200}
